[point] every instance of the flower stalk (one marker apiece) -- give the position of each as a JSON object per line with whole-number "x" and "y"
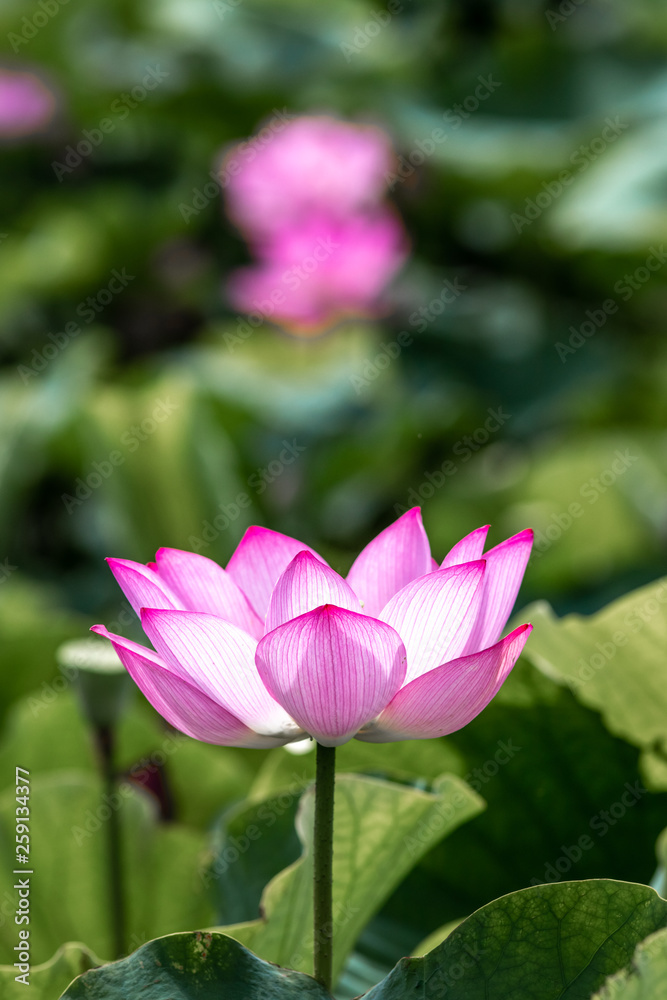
{"x": 105, "y": 739}
{"x": 323, "y": 864}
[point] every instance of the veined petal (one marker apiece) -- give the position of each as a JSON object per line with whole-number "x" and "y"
{"x": 305, "y": 585}
{"x": 202, "y": 585}
{"x": 181, "y": 702}
{"x": 449, "y": 697}
{"x": 260, "y": 558}
{"x": 142, "y": 586}
{"x": 435, "y": 615}
{"x": 468, "y": 549}
{"x": 396, "y": 556}
{"x": 219, "y": 659}
{"x": 505, "y": 566}
{"x": 331, "y": 669}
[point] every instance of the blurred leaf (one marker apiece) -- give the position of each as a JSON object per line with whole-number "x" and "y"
{"x": 409, "y": 761}
{"x": 646, "y": 979}
{"x": 153, "y": 441}
{"x": 620, "y": 202}
{"x": 68, "y": 896}
{"x": 434, "y": 939}
{"x": 33, "y": 624}
{"x": 381, "y": 830}
{"x": 46, "y": 732}
{"x": 61, "y": 251}
{"x": 613, "y": 661}
{"x": 48, "y": 980}
{"x": 241, "y": 866}
{"x": 285, "y": 381}
{"x": 594, "y": 502}
{"x": 206, "y": 779}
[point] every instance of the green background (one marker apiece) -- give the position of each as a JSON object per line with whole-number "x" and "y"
{"x": 580, "y": 454}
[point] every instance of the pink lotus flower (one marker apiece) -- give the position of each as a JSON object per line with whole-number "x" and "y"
{"x": 312, "y": 164}
{"x": 279, "y": 647}
{"x": 309, "y": 202}
{"x": 26, "y": 104}
{"x": 323, "y": 270}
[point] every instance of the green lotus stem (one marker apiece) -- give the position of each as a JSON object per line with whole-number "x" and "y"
{"x": 325, "y": 776}
{"x": 106, "y": 744}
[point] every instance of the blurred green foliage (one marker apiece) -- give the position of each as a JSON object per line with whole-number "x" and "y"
{"x": 372, "y": 433}
{"x": 133, "y": 419}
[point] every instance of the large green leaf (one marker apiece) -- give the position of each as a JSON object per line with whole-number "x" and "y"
{"x": 555, "y": 942}
{"x": 49, "y": 979}
{"x": 614, "y": 661}
{"x": 381, "y": 831}
{"x": 646, "y": 979}
{"x": 69, "y": 896}
{"x": 559, "y": 807}
{"x": 193, "y": 967}
{"x": 549, "y": 771}
{"x": 270, "y": 811}
{"x": 273, "y": 800}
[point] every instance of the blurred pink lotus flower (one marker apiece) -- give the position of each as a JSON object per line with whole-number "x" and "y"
{"x": 278, "y": 647}
{"x": 309, "y": 202}
{"x": 309, "y": 165}
{"x": 26, "y": 104}
{"x": 323, "y": 270}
